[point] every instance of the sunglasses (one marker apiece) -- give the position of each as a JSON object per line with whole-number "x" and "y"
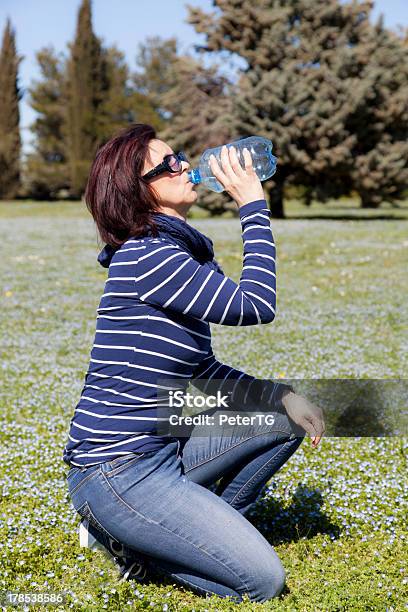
{"x": 170, "y": 163}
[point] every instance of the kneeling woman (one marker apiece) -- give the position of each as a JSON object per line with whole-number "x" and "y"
{"x": 173, "y": 505}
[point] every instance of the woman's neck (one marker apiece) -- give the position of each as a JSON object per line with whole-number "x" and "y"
{"x": 180, "y": 213}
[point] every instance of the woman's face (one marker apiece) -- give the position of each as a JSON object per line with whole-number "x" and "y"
{"x": 174, "y": 190}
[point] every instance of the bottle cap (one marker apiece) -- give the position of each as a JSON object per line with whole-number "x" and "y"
{"x": 194, "y": 176}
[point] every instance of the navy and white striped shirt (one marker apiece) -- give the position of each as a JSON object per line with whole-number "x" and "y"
{"x": 153, "y": 322}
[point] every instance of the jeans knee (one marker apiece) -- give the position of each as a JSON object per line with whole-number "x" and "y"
{"x": 276, "y": 583}
{"x": 280, "y": 582}
{"x": 269, "y": 584}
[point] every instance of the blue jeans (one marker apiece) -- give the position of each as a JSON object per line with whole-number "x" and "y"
{"x": 158, "y": 504}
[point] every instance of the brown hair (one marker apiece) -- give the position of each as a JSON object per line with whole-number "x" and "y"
{"x": 120, "y": 201}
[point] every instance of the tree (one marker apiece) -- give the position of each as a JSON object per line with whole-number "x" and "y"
{"x": 193, "y": 104}
{"x": 81, "y": 102}
{"x": 47, "y": 170}
{"x": 87, "y": 85}
{"x": 10, "y": 95}
{"x": 373, "y": 114}
{"x": 122, "y": 103}
{"x": 155, "y": 76}
{"x": 115, "y": 108}
{"x": 301, "y": 87}
{"x": 199, "y": 105}
{"x": 380, "y": 169}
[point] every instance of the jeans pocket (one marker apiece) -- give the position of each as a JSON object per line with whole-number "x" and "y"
{"x": 71, "y": 473}
{"x": 111, "y": 468}
{"x": 77, "y": 479}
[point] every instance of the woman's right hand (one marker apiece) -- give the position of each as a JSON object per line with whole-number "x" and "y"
{"x": 306, "y": 414}
{"x": 242, "y": 185}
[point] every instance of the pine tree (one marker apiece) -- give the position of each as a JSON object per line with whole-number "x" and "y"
{"x": 379, "y": 172}
{"x": 47, "y": 170}
{"x": 10, "y": 94}
{"x": 373, "y": 115}
{"x": 87, "y": 85}
{"x": 301, "y": 87}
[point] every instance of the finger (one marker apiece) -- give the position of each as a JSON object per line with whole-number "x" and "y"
{"x": 315, "y": 441}
{"x": 318, "y": 413}
{"x": 226, "y": 164}
{"x": 234, "y": 160}
{"x": 308, "y": 427}
{"x": 248, "y": 160}
{"x": 216, "y": 170}
{"x": 317, "y": 423}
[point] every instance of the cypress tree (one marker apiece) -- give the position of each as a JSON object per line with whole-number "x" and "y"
{"x": 70, "y": 126}
{"x": 87, "y": 85}
{"x": 302, "y": 88}
{"x": 10, "y": 94}
{"x": 47, "y": 171}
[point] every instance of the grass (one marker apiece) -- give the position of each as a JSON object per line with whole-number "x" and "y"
{"x": 336, "y": 516}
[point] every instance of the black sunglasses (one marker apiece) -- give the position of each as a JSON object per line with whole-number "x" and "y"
{"x": 170, "y": 163}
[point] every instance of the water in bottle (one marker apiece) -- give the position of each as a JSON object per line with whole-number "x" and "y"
{"x": 264, "y": 163}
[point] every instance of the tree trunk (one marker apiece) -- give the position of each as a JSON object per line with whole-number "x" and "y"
{"x": 367, "y": 201}
{"x": 275, "y": 194}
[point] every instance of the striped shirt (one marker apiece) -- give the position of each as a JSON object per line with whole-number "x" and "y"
{"x": 153, "y": 322}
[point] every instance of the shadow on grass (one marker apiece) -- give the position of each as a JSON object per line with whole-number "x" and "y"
{"x": 302, "y": 518}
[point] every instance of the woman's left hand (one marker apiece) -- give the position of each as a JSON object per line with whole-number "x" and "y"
{"x": 305, "y": 414}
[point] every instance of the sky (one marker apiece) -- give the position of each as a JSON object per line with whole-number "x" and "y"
{"x": 40, "y": 23}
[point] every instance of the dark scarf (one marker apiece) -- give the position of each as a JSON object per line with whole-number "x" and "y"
{"x": 196, "y": 244}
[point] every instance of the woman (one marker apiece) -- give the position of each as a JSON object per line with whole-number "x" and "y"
{"x": 145, "y": 496}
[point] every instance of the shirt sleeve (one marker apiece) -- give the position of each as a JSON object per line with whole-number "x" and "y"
{"x": 262, "y": 392}
{"x": 168, "y": 277}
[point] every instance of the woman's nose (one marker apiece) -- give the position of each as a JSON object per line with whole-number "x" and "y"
{"x": 185, "y": 165}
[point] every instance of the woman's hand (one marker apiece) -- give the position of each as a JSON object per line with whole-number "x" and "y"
{"x": 242, "y": 185}
{"x": 305, "y": 414}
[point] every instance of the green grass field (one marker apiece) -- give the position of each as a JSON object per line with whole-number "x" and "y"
{"x": 336, "y": 515}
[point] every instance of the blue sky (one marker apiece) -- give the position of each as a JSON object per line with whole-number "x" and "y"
{"x": 40, "y": 23}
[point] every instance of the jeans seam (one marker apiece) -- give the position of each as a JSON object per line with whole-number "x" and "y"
{"x": 120, "y": 499}
{"x": 123, "y": 466}
{"x": 237, "y": 495}
{"x": 234, "y": 446}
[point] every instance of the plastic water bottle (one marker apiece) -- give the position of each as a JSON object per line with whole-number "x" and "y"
{"x": 264, "y": 163}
